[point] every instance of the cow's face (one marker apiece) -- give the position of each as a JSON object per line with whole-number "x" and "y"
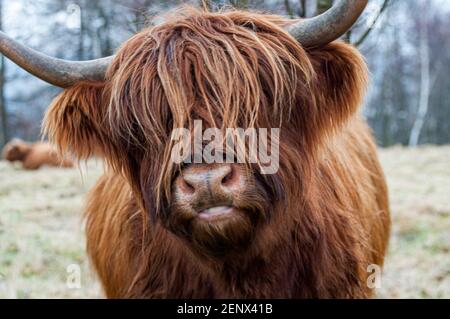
{"x": 214, "y": 70}
{"x": 228, "y": 71}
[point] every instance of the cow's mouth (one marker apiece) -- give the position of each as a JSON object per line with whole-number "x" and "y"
{"x": 217, "y": 209}
{"x": 216, "y": 212}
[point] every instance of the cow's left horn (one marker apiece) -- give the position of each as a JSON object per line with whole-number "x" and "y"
{"x": 328, "y": 26}
{"x": 55, "y": 71}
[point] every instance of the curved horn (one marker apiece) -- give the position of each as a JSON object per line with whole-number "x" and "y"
{"x": 55, "y": 71}
{"x": 328, "y": 26}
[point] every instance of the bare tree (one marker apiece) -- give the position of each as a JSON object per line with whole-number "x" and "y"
{"x": 3, "y": 112}
{"x": 289, "y": 9}
{"x": 425, "y": 87}
{"x": 302, "y": 12}
{"x": 372, "y": 25}
{"x": 323, "y": 5}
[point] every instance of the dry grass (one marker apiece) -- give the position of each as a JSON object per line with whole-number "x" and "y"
{"x": 41, "y": 229}
{"x": 418, "y": 264}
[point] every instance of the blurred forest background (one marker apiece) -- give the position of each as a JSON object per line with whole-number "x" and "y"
{"x": 406, "y": 44}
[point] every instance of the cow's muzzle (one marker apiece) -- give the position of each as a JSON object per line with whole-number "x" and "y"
{"x": 210, "y": 189}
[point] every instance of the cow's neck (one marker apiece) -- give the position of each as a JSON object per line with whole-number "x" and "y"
{"x": 276, "y": 275}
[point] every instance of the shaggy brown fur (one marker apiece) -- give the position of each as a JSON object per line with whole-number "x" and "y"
{"x": 320, "y": 220}
{"x": 34, "y": 155}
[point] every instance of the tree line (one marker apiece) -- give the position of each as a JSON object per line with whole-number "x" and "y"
{"x": 406, "y": 45}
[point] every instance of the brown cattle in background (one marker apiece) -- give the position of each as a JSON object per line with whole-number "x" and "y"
{"x": 158, "y": 230}
{"x": 34, "y": 155}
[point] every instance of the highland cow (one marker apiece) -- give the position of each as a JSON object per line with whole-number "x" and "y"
{"x": 220, "y": 230}
{"x": 34, "y": 155}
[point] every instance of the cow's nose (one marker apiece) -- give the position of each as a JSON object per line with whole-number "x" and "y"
{"x": 208, "y": 180}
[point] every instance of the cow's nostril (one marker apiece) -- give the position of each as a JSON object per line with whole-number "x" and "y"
{"x": 187, "y": 186}
{"x": 205, "y": 181}
{"x": 227, "y": 179}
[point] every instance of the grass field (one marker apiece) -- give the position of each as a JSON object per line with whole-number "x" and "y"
{"x": 41, "y": 230}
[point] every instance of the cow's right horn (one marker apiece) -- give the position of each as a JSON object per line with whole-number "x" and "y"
{"x": 62, "y": 73}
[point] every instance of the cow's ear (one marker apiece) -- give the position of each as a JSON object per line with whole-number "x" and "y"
{"x": 75, "y": 121}
{"x": 340, "y": 83}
